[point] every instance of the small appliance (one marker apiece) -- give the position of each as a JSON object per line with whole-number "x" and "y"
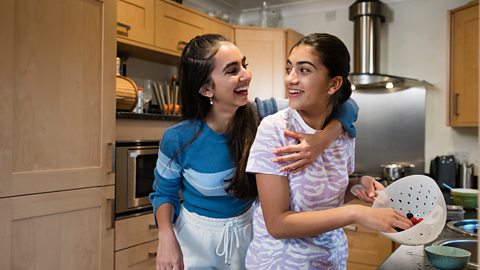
{"x": 444, "y": 170}
{"x": 135, "y": 162}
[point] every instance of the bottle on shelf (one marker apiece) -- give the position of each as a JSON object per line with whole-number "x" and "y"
{"x": 139, "y": 107}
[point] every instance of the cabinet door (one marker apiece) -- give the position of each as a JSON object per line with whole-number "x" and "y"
{"x": 464, "y": 67}
{"x": 141, "y": 257}
{"x": 265, "y": 50}
{"x": 58, "y": 230}
{"x": 57, "y": 81}
{"x": 366, "y": 247}
{"x": 135, "y": 20}
{"x": 175, "y": 26}
{"x": 221, "y": 28}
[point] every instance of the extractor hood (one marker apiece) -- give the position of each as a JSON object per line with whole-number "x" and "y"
{"x": 367, "y": 16}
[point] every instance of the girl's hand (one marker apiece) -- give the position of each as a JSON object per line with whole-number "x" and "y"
{"x": 369, "y": 190}
{"x": 382, "y": 219}
{"x": 301, "y": 155}
{"x": 169, "y": 254}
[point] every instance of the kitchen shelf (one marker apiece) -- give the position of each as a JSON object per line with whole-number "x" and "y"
{"x": 147, "y": 116}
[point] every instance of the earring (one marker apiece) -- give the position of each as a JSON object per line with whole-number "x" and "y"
{"x": 211, "y": 101}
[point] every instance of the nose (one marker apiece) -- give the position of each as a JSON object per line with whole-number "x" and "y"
{"x": 245, "y": 75}
{"x": 291, "y": 78}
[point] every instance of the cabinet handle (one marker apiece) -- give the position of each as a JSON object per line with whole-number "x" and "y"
{"x": 455, "y": 104}
{"x": 112, "y": 161}
{"x": 181, "y": 45}
{"x": 152, "y": 254}
{"x": 127, "y": 28}
{"x": 112, "y": 216}
{"x": 152, "y": 226}
{"x": 350, "y": 228}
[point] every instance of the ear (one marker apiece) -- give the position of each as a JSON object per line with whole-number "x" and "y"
{"x": 335, "y": 84}
{"x": 206, "y": 91}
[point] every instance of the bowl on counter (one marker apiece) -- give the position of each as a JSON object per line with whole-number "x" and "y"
{"x": 447, "y": 258}
{"x": 466, "y": 197}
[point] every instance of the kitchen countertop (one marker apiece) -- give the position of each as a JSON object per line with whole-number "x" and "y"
{"x": 414, "y": 257}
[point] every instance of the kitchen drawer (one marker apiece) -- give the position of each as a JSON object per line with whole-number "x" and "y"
{"x": 140, "y": 257}
{"x": 133, "y": 231}
{"x": 175, "y": 26}
{"x": 366, "y": 246}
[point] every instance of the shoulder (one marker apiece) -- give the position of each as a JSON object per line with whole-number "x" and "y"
{"x": 276, "y": 120}
{"x": 182, "y": 129}
{"x": 179, "y": 133}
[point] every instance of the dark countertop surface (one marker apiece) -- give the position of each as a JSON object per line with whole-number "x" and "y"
{"x": 414, "y": 257}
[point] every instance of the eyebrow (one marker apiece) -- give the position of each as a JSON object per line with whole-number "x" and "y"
{"x": 302, "y": 62}
{"x": 233, "y": 64}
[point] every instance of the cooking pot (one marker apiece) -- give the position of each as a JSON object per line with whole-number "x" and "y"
{"x": 395, "y": 171}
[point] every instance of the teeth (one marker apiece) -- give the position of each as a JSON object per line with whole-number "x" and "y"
{"x": 293, "y": 92}
{"x": 241, "y": 89}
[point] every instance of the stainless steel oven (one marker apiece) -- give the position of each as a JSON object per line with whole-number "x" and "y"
{"x": 134, "y": 165}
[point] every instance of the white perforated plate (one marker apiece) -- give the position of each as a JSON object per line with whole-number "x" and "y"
{"x": 421, "y": 196}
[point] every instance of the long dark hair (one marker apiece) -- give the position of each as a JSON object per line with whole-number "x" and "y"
{"x": 195, "y": 71}
{"x": 334, "y": 55}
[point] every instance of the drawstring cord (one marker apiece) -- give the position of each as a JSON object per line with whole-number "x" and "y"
{"x": 230, "y": 232}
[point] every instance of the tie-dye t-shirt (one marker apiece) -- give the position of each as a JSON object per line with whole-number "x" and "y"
{"x": 320, "y": 186}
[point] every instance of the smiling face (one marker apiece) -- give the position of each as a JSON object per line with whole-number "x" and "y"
{"x": 230, "y": 79}
{"x": 307, "y": 82}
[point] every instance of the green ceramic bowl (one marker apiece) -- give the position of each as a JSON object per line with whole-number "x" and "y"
{"x": 447, "y": 258}
{"x": 465, "y": 197}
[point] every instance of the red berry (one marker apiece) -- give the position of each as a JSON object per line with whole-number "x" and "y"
{"x": 414, "y": 220}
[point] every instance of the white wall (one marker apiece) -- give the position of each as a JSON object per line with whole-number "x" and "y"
{"x": 414, "y": 44}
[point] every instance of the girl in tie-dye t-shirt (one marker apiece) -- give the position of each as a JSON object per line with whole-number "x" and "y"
{"x": 299, "y": 216}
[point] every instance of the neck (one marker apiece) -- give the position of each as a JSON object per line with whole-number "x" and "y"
{"x": 218, "y": 119}
{"x": 316, "y": 119}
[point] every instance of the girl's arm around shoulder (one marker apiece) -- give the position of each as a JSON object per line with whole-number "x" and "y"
{"x": 347, "y": 115}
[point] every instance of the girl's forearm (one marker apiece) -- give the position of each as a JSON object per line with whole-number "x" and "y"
{"x": 306, "y": 224}
{"x": 164, "y": 216}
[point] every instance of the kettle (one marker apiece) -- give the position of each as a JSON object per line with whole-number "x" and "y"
{"x": 465, "y": 175}
{"x": 444, "y": 170}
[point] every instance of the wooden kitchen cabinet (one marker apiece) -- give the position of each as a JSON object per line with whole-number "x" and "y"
{"x": 463, "y": 94}
{"x": 175, "y": 25}
{"x": 58, "y": 230}
{"x": 57, "y": 116}
{"x": 218, "y": 27}
{"x": 266, "y": 50}
{"x": 141, "y": 257}
{"x": 136, "y": 21}
{"x": 367, "y": 249}
{"x": 136, "y": 243}
{"x": 57, "y": 76}
{"x": 163, "y": 29}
